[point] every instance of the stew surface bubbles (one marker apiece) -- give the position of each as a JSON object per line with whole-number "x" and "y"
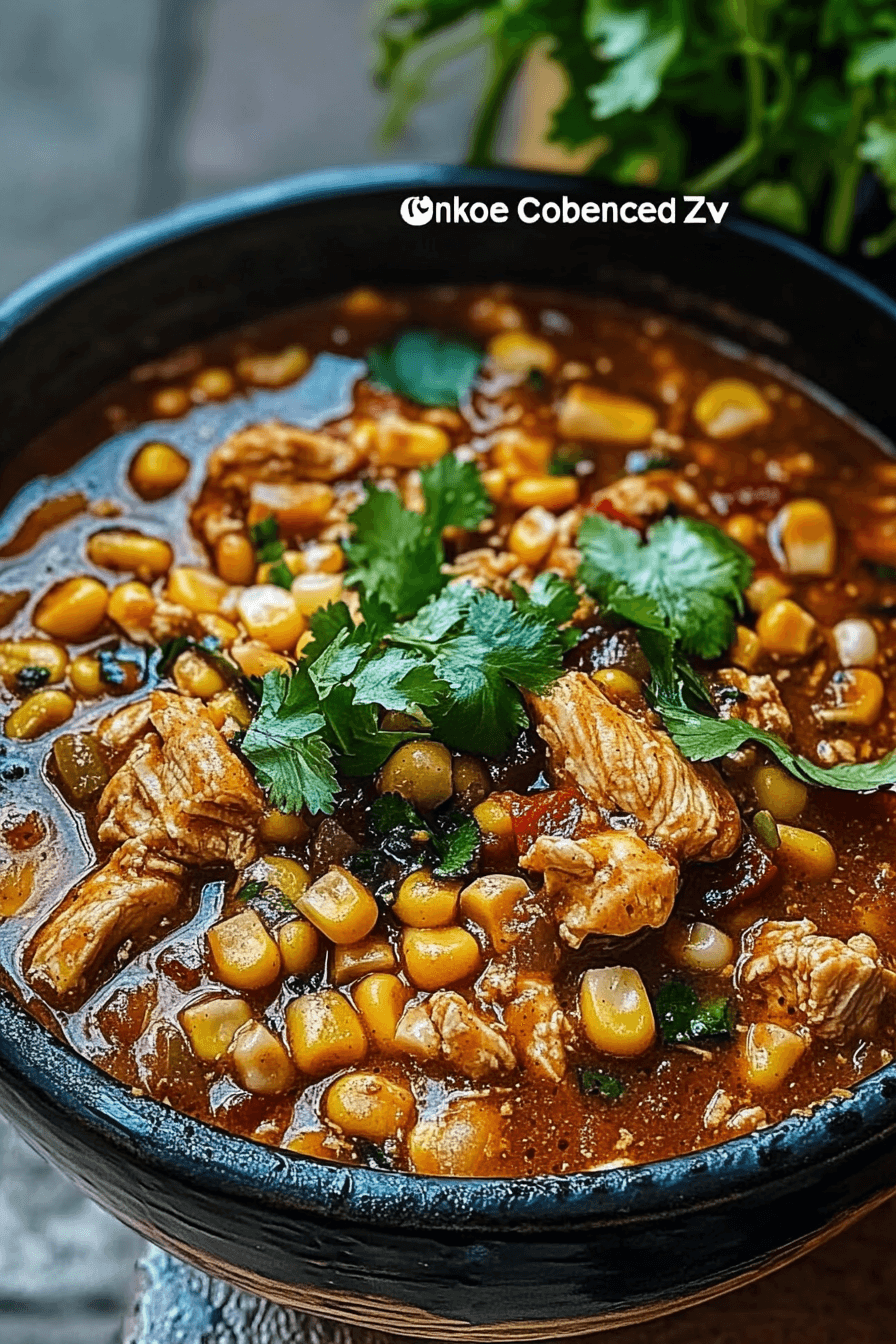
{"x": 448, "y": 730}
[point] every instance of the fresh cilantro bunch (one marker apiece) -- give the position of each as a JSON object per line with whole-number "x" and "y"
{"x": 682, "y": 589}
{"x": 785, "y": 105}
{"x": 427, "y": 367}
{"x": 452, "y": 660}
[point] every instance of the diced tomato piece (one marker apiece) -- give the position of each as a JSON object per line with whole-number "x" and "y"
{"x": 553, "y": 812}
{"x": 616, "y": 515}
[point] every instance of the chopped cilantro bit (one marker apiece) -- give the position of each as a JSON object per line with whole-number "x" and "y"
{"x": 642, "y": 459}
{"x": 684, "y": 1020}
{"x": 111, "y": 670}
{"x": 426, "y": 367}
{"x": 264, "y": 532}
{"x": 593, "y": 1083}
{"x": 566, "y": 459}
{"x": 536, "y": 380}
{"x": 457, "y": 843}
{"x": 281, "y": 575}
{"x": 391, "y": 810}
{"x": 285, "y": 746}
{"x": 250, "y": 891}
{"x": 32, "y": 678}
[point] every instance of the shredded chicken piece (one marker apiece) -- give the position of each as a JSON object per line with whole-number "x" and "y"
{"x": 274, "y": 451}
{"x": 647, "y": 494}
{"x": 472, "y": 1044}
{"x": 613, "y": 883}
{"x": 183, "y": 791}
{"x": 486, "y": 568}
{"x": 539, "y": 1028}
{"x": 127, "y": 898}
{"x": 761, "y": 706}
{"x": 745, "y": 1121}
{"x": 624, "y": 764}
{"x": 836, "y": 988}
{"x": 121, "y": 729}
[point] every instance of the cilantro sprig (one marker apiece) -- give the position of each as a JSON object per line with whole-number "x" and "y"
{"x": 426, "y": 367}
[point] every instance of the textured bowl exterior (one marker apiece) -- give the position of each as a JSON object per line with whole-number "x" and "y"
{"x": 439, "y": 1258}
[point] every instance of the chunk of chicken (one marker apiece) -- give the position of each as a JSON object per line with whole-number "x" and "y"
{"x": 836, "y": 988}
{"x": 539, "y": 1028}
{"x": 275, "y": 451}
{"x": 624, "y": 764}
{"x": 486, "y": 568}
{"x": 758, "y": 703}
{"x": 127, "y": 898}
{"x": 613, "y": 883}
{"x": 183, "y": 791}
{"x": 472, "y": 1044}
{"x": 647, "y": 494}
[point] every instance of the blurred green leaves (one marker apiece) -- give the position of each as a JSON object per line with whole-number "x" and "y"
{"x": 784, "y": 104}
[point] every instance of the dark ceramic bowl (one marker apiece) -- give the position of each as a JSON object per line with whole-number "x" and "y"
{"x": 456, "y": 1259}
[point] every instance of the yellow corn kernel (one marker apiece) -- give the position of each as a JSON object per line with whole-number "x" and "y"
{"x": 769, "y": 1053}
{"x": 287, "y": 875}
{"x": 215, "y": 384}
{"x": 588, "y": 412}
{"x": 39, "y": 714}
{"x": 731, "y": 406}
{"x": 310, "y": 592}
{"x": 157, "y": 470}
{"x": 15, "y": 655}
{"x": 366, "y": 302}
{"x": 491, "y": 902}
{"x": 466, "y": 1139}
{"x": 616, "y": 1011}
{"x": 743, "y": 528}
{"x": 72, "y": 609}
{"x": 420, "y": 772}
{"x": 130, "y": 553}
{"x": 298, "y": 506}
{"x": 786, "y": 630}
{"x": 779, "y": 793}
{"x": 16, "y": 885}
{"x": 369, "y": 1106}
{"x": 84, "y": 675}
{"x": 340, "y": 906}
{"x": 518, "y": 453}
{"x": 856, "y": 641}
{"x": 436, "y": 958}
{"x": 225, "y": 632}
{"x": 494, "y": 821}
{"x": 746, "y": 650}
{"x": 260, "y": 1061}
{"x": 169, "y": 402}
{"x": 197, "y": 589}
{"x": 853, "y": 696}
{"x": 495, "y": 482}
{"x": 877, "y": 919}
{"x": 805, "y": 853}
{"x": 299, "y": 944}
{"x": 381, "y": 999}
{"x": 244, "y": 953}
{"x": 371, "y": 955}
{"x": 313, "y": 1143}
{"x": 282, "y": 828}
{"x": 256, "y": 660}
{"x": 426, "y": 902}
{"x": 270, "y": 614}
{"x": 802, "y": 536}
{"x": 235, "y": 558}
{"x": 322, "y": 557}
{"x": 546, "y": 492}
{"x": 532, "y": 535}
{"x": 408, "y": 443}
{"x": 228, "y": 705}
{"x": 274, "y": 370}
{"x": 705, "y": 948}
{"x": 324, "y": 1032}
{"x": 131, "y": 605}
{"x": 194, "y": 676}
{"x": 618, "y": 683}
{"x": 521, "y": 352}
{"x": 765, "y": 591}
{"x": 212, "y": 1024}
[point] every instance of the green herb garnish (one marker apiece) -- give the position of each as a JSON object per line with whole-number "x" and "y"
{"x": 453, "y": 836}
{"x": 265, "y": 537}
{"x": 593, "y": 1083}
{"x": 250, "y": 891}
{"x": 684, "y": 1020}
{"x": 32, "y": 678}
{"x": 281, "y": 575}
{"x": 566, "y": 459}
{"x": 426, "y": 367}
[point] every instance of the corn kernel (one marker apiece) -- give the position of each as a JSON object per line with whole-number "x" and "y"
{"x": 408, "y": 443}
{"x": 215, "y": 384}
{"x": 73, "y": 609}
{"x": 170, "y": 402}
{"x": 322, "y": 557}
{"x": 779, "y": 793}
{"x": 769, "y": 1053}
{"x": 16, "y": 655}
{"x": 235, "y": 558}
{"x": 746, "y": 650}
{"x": 130, "y": 552}
{"x": 852, "y": 696}
{"x": 520, "y": 352}
{"x": 495, "y": 483}
{"x": 369, "y": 1106}
{"x": 282, "y": 828}
{"x": 212, "y": 1024}
{"x": 312, "y": 1143}
{"x": 729, "y": 407}
{"x": 194, "y": 676}
{"x": 260, "y": 1061}
{"x": 492, "y": 901}
{"x": 299, "y": 944}
{"x": 274, "y": 370}
{"x": 256, "y": 660}
{"x": 84, "y": 675}
{"x": 765, "y": 591}
{"x": 616, "y": 1011}
{"x": 287, "y": 875}
{"x": 532, "y": 536}
{"x": 546, "y": 492}
{"x": 381, "y": 999}
{"x": 803, "y": 537}
{"x": 494, "y": 821}
{"x": 466, "y": 1139}
{"x": 340, "y": 906}
{"x": 588, "y": 412}
{"x": 807, "y": 854}
{"x": 157, "y": 470}
{"x": 786, "y": 630}
{"x": 744, "y": 529}
{"x": 310, "y": 592}
{"x": 420, "y": 772}
{"x": 618, "y": 683}
{"x": 244, "y": 953}
{"x": 298, "y": 506}
{"x": 518, "y": 453}
{"x": 131, "y": 605}
{"x": 39, "y": 714}
{"x": 324, "y": 1032}
{"x": 856, "y": 641}
{"x": 436, "y": 958}
{"x": 705, "y": 948}
{"x": 426, "y": 902}
{"x": 270, "y": 614}
{"x": 372, "y": 955}
{"x": 197, "y": 589}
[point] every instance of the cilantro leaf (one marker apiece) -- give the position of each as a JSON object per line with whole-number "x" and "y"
{"x": 692, "y": 573}
{"x": 281, "y": 575}
{"x": 426, "y": 367}
{"x": 265, "y": 537}
{"x": 454, "y": 494}
{"x": 684, "y": 1020}
{"x": 456, "y": 843}
{"x": 285, "y": 747}
{"x": 391, "y": 810}
{"x": 551, "y": 600}
{"x": 593, "y": 1083}
{"x": 397, "y": 680}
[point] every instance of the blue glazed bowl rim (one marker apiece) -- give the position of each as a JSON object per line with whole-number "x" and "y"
{"x": 218, "y": 1164}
